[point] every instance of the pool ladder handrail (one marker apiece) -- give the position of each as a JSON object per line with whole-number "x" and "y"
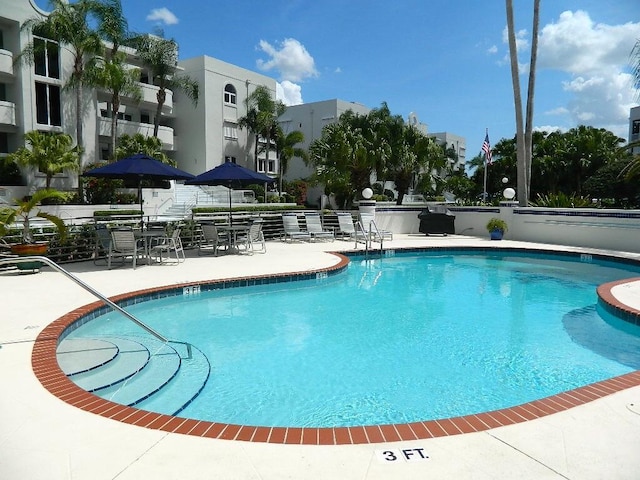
{"x": 369, "y": 236}
{"x": 94, "y": 292}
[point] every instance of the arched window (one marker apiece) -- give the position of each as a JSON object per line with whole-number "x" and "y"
{"x": 230, "y": 94}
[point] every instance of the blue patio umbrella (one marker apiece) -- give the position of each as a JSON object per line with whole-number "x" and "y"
{"x": 137, "y": 168}
{"x": 229, "y": 174}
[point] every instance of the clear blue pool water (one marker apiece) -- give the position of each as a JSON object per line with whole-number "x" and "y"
{"x": 404, "y": 338}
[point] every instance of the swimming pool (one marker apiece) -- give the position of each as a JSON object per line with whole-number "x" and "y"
{"x": 418, "y": 350}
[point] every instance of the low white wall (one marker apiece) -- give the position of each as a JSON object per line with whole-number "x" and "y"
{"x": 583, "y": 227}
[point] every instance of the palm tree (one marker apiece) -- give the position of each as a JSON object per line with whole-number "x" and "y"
{"x": 523, "y": 136}
{"x": 112, "y": 75}
{"x": 139, "y": 143}
{"x": 49, "y": 153}
{"x": 160, "y": 56}
{"x": 286, "y": 149}
{"x": 261, "y": 119}
{"x": 112, "y": 24}
{"x": 68, "y": 24}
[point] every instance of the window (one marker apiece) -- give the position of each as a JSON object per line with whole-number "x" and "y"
{"x": 47, "y": 58}
{"x": 124, "y": 116}
{"x": 230, "y": 94}
{"x": 230, "y": 130}
{"x": 230, "y": 159}
{"x": 145, "y": 118}
{"x": 272, "y": 166}
{"x": 4, "y": 142}
{"x": 3, "y": 92}
{"x": 635, "y": 127}
{"x": 48, "y": 104}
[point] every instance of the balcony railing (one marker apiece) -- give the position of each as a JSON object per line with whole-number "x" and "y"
{"x": 149, "y": 97}
{"x": 6, "y": 62}
{"x": 165, "y": 134}
{"x": 7, "y": 113}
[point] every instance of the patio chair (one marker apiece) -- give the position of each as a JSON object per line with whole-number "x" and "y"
{"x": 316, "y": 229}
{"x": 253, "y": 241}
{"x": 103, "y": 242}
{"x": 292, "y": 229}
{"x": 124, "y": 244}
{"x": 371, "y": 228}
{"x": 348, "y": 230}
{"x": 211, "y": 239}
{"x": 169, "y": 244}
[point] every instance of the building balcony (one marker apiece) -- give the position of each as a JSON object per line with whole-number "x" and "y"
{"x": 165, "y": 134}
{"x": 150, "y": 99}
{"x": 6, "y": 63}
{"x": 7, "y": 113}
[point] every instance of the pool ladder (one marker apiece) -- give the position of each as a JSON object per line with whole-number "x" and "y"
{"x": 94, "y": 292}
{"x": 368, "y": 235}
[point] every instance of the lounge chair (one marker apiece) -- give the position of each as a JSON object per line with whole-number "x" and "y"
{"x": 292, "y": 229}
{"x": 315, "y": 228}
{"x": 169, "y": 244}
{"x": 124, "y": 244}
{"x": 253, "y": 241}
{"x": 371, "y": 228}
{"x": 348, "y": 230}
{"x": 210, "y": 239}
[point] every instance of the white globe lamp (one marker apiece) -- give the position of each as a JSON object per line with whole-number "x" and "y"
{"x": 367, "y": 193}
{"x": 509, "y": 193}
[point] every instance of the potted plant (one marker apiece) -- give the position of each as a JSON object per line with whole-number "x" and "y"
{"x": 22, "y": 213}
{"x": 496, "y": 228}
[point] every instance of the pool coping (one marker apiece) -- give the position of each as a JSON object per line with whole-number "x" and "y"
{"x": 48, "y": 372}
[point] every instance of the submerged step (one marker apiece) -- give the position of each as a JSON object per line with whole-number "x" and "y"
{"x": 83, "y": 354}
{"x": 132, "y": 357}
{"x": 183, "y": 388}
{"x": 162, "y": 366}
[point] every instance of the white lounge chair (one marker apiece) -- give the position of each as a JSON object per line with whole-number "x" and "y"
{"x": 315, "y": 228}
{"x": 347, "y": 229}
{"x": 371, "y": 228}
{"x": 292, "y": 229}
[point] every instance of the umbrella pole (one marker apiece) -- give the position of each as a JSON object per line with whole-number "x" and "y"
{"x": 230, "y": 214}
{"x": 140, "y": 200}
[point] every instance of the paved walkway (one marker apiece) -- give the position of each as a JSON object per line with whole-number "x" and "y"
{"x": 42, "y": 437}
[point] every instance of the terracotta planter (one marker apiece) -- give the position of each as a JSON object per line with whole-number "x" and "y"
{"x": 29, "y": 249}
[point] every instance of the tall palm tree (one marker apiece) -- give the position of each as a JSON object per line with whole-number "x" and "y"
{"x": 286, "y": 149}
{"x": 112, "y": 24}
{"x": 261, "y": 119}
{"x": 523, "y": 134}
{"x": 139, "y": 143}
{"x": 160, "y": 56}
{"x": 49, "y": 153}
{"x": 69, "y": 24}
{"x": 112, "y": 75}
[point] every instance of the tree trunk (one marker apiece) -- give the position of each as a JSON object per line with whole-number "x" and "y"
{"x": 523, "y": 194}
{"x": 115, "y": 107}
{"x": 528, "y": 138}
{"x": 161, "y": 96}
{"x": 79, "y": 137}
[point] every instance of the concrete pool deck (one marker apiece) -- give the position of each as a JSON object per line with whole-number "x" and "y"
{"x": 44, "y": 437}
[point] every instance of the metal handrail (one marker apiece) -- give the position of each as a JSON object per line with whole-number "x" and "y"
{"x": 94, "y": 292}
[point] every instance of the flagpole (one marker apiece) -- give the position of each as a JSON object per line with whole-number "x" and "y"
{"x": 484, "y": 188}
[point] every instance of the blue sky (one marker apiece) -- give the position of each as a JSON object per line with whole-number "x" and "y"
{"x": 445, "y": 60}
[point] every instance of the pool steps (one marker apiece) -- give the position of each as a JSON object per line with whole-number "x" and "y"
{"x": 143, "y": 372}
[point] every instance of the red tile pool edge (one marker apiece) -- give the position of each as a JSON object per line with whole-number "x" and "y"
{"x": 47, "y": 370}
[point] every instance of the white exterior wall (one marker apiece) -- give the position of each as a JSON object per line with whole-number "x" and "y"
{"x": 202, "y": 144}
{"x": 193, "y": 136}
{"x": 456, "y": 142}
{"x": 310, "y": 118}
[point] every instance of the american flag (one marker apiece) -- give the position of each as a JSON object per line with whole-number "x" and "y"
{"x": 486, "y": 148}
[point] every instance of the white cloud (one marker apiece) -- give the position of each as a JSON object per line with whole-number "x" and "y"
{"x": 290, "y": 93}
{"x": 492, "y": 50}
{"x": 290, "y": 58}
{"x": 162, "y": 15}
{"x": 595, "y": 57}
